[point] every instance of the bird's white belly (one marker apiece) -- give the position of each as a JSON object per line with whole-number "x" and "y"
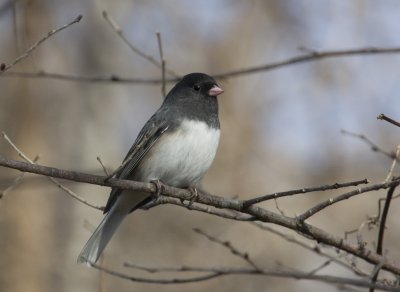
{"x": 181, "y": 158}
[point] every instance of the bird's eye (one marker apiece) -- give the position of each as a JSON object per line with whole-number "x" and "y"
{"x": 196, "y": 87}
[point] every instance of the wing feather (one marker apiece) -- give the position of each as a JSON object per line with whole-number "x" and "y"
{"x": 146, "y": 139}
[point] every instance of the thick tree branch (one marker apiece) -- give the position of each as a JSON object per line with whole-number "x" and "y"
{"x": 258, "y": 213}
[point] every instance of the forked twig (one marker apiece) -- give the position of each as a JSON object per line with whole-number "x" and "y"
{"x": 243, "y": 255}
{"x": 5, "y": 67}
{"x": 260, "y": 199}
{"x": 53, "y": 180}
{"x": 16, "y": 181}
{"x": 114, "y": 25}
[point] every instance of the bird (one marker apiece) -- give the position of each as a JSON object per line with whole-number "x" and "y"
{"x": 176, "y": 146}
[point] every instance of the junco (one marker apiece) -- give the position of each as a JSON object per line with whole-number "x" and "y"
{"x": 176, "y": 146}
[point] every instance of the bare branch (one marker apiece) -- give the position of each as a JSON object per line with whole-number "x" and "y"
{"x": 309, "y": 57}
{"x": 112, "y": 78}
{"x": 387, "y": 119}
{"x": 163, "y": 89}
{"x": 373, "y": 146}
{"x": 213, "y": 272}
{"x": 317, "y": 208}
{"x": 278, "y": 208}
{"x": 227, "y": 214}
{"x": 313, "y": 56}
{"x": 16, "y": 181}
{"x": 320, "y": 267}
{"x": 54, "y": 181}
{"x": 102, "y": 165}
{"x": 114, "y": 25}
{"x": 311, "y": 247}
{"x": 5, "y": 67}
{"x": 258, "y": 213}
{"x": 243, "y": 255}
{"x": 256, "y": 200}
{"x": 395, "y": 159}
{"x": 381, "y": 233}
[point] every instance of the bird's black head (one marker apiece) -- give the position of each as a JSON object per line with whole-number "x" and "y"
{"x": 194, "y": 98}
{"x": 195, "y": 86}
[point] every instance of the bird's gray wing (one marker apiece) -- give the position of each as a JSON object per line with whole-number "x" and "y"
{"x": 148, "y": 136}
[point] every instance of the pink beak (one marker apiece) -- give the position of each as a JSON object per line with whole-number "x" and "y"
{"x": 215, "y": 90}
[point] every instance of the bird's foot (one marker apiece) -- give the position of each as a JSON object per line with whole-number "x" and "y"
{"x": 159, "y": 188}
{"x": 194, "y": 195}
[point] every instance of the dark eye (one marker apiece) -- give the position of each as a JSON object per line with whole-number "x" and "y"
{"x": 196, "y": 87}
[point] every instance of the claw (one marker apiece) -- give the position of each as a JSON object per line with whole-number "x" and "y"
{"x": 159, "y": 188}
{"x": 193, "y": 197}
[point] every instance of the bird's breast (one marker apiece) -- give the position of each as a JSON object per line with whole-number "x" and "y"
{"x": 182, "y": 157}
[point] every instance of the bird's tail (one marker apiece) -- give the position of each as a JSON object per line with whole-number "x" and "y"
{"x": 101, "y": 236}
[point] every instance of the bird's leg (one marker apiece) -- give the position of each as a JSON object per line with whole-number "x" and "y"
{"x": 159, "y": 188}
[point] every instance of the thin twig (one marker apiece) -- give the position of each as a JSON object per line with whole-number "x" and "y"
{"x": 314, "y": 56}
{"x": 154, "y": 270}
{"x": 213, "y": 272}
{"x": 112, "y": 78}
{"x": 5, "y": 67}
{"x": 382, "y": 227}
{"x": 114, "y": 25}
{"x": 102, "y": 165}
{"x": 387, "y": 119}
{"x": 373, "y": 146}
{"x": 316, "y": 248}
{"x": 319, "y": 207}
{"x": 102, "y": 278}
{"x": 160, "y": 49}
{"x": 243, "y": 255}
{"x": 375, "y": 218}
{"x": 320, "y": 267}
{"x": 358, "y": 231}
{"x": 53, "y": 180}
{"x": 389, "y": 176}
{"x": 260, "y": 199}
{"x": 278, "y": 208}
{"x": 16, "y": 181}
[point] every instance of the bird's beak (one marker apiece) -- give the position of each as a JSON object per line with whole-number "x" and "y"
{"x": 215, "y": 90}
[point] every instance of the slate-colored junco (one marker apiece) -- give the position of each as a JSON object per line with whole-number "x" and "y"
{"x": 176, "y": 146}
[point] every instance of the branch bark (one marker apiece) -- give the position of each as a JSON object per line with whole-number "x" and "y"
{"x": 308, "y": 230}
{"x": 302, "y": 58}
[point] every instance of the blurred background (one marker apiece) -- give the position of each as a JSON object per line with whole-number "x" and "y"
{"x": 281, "y": 130}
